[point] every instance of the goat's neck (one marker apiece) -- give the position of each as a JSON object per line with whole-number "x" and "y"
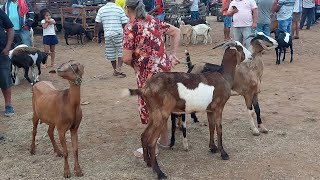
{"x": 74, "y": 94}
{"x": 228, "y": 72}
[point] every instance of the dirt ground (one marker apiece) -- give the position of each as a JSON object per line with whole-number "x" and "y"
{"x": 110, "y": 129}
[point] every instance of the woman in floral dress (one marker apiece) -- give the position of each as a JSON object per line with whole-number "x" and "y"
{"x": 144, "y": 50}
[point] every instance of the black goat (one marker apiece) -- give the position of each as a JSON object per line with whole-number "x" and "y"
{"x": 71, "y": 29}
{"x": 206, "y": 67}
{"x": 284, "y": 40}
{"x": 27, "y": 57}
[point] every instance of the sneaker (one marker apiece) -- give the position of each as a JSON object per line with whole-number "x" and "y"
{"x": 9, "y": 111}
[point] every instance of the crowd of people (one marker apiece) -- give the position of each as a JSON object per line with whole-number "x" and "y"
{"x": 257, "y": 15}
{"x": 134, "y": 32}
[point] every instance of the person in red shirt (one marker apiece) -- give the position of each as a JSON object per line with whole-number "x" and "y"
{"x": 226, "y": 19}
{"x": 158, "y": 10}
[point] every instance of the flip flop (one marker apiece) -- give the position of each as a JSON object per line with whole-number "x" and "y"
{"x": 122, "y": 75}
{"x": 139, "y": 153}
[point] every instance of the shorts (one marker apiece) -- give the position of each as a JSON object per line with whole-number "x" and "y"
{"x": 5, "y": 72}
{"x": 227, "y": 21}
{"x": 296, "y": 16}
{"x": 113, "y": 46}
{"x": 50, "y": 40}
{"x": 161, "y": 16}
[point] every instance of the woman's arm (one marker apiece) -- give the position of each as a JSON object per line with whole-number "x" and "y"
{"x": 175, "y": 36}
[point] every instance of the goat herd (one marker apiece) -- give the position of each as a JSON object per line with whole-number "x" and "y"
{"x": 205, "y": 87}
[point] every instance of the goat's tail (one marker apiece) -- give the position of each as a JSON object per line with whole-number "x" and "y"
{"x": 130, "y": 92}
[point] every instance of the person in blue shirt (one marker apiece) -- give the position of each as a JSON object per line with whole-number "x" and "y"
{"x": 22, "y": 22}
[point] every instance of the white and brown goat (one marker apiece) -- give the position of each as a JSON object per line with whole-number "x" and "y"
{"x": 180, "y": 92}
{"x": 61, "y": 109}
{"x": 248, "y": 76}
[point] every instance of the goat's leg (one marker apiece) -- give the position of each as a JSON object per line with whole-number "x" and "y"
{"x": 253, "y": 128}
{"x": 277, "y": 55}
{"x": 74, "y": 139}
{"x": 205, "y": 39}
{"x": 173, "y": 129}
{"x": 184, "y": 133}
{"x": 284, "y": 53}
{"x": 255, "y": 103}
{"x": 34, "y": 76}
{"x": 26, "y": 71}
{"x": 62, "y": 136}
{"x": 66, "y": 38}
{"x": 35, "y": 120}
{"x": 218, "y": 119}
{"x": 194, "y": 117}
{"x": 212, "y": 146}
{"x": 291, "y": 53}
{"x": 39, "y": 72}
{"x": 81, "y": 39}
{"x": 53, "y": 142}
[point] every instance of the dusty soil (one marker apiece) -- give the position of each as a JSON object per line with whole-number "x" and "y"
{"x": 110, "y": 129}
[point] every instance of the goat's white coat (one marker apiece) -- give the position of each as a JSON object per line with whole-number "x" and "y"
{"x": 201, "y": 30}
{"x": 34, "y": 57}
{"x": 271, "y": 39}
{"x": 196, "y": 99}
{"x": 247, "y": 53}
{"x": 286, "y": 39}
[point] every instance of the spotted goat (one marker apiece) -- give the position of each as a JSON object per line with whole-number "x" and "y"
{"x": 178, "y": 92}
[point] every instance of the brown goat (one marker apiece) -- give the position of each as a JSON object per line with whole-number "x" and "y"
{"x": 179, "y": 92}
{"x": 61, "y": 109}
{"x": 248, "y": 76}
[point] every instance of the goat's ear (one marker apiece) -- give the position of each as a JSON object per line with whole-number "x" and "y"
{"x": 81, "y": 68}
{"x": 53, "y": 71}
{"x": 238, "y": 56}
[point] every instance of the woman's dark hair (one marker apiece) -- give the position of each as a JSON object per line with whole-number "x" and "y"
{"x": 138, "y": 7}
{"x": 43, "y": 12}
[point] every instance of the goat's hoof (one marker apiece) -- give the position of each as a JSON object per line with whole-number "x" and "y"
{"x": 59, "y": 154}
{"x": 32, "y": 151}
{"x": 214, "y": 149}
{"x": 263, "y": 129}
{"x": 256, "y": 132}
{"x": 224, "y": 156}
{"x": 79, "y": 173}
{"x": 67, "y": 174}
{"x": 162, "y": 176}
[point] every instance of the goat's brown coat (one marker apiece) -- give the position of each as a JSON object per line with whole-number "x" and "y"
{"x": 61, "y": 109}
{"x": 162, "y": 98}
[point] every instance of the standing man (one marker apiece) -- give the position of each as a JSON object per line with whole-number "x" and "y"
{"x": 264, "y": 19}
{"x": 227, "y": 20}
{"x": 245, "y": 16}
{"x": 194, "y": 9}
{"x": 113, "y": 19}
{"x": 6, "y": 38}
{"x": 21, "y": 15}
{"x": 158, "y": 11}
{"x": 284, "y": 15}
{"x": 307, "y": 12}
{"x": 296, "y": 16}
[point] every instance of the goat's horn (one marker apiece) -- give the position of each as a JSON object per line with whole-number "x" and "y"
{"x": 230, "y": 43}
{"x": 219, "y": 45}
{"x": 251, "y": 36}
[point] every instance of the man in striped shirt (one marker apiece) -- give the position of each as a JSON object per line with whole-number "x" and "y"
{"x": 113, "y": 19}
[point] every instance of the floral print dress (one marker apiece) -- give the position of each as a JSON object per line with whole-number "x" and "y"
{"x": 145, "y": 37}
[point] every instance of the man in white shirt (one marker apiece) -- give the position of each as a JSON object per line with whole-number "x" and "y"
{"x": 194, "y": 10}
{"x": 245, "y": 17}
{"x": 113, "y": 19}
{"x": 307, "y": 12}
